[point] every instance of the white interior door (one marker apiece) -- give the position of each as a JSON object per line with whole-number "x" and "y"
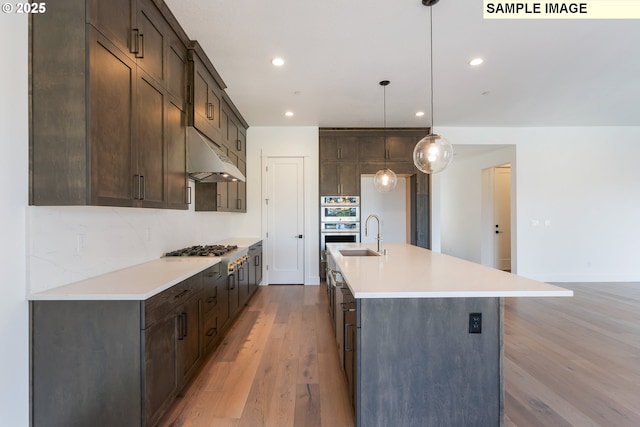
{"x": 285, "y": 219}
{"x": 502, "y": 216}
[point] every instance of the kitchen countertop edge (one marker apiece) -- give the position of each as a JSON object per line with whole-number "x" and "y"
{"x": 421, "y": 273}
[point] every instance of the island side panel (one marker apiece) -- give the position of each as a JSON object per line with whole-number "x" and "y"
{"x": 419, "y": 366}
{"x": 86, "y": 365}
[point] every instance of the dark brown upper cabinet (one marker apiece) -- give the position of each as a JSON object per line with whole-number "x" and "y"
{"x": 107, "y": 101}
{"x": 214, "y": 115}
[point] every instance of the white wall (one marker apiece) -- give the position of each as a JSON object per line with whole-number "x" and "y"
{"x": 391, "y": 208}
{"x": 289, "y": 142}
{"x": 584, "y": 181}
{"x": 14, "y": 146}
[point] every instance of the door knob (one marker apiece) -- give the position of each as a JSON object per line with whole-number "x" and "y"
{"x": 299, "y": 236}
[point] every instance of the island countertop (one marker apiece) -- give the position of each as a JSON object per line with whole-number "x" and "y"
{"x": 408, "y": 271}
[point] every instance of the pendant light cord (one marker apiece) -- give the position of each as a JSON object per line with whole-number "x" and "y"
{"x": 384, "y": 122}
{"x": 431, "y": 62}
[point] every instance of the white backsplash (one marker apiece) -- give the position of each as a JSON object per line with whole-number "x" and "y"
{"x": 68, "y": 244}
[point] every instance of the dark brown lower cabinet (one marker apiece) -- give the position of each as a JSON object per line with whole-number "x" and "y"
{"x": 161, "y": 358}
{"x": 122, "y": 363}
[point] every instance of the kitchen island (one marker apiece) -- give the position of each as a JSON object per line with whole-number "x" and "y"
{"x": 423, "y": 334}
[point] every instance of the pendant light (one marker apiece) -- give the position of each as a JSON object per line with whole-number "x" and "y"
{"x": 385, "y": 179}
{"x": 432, "y": 154}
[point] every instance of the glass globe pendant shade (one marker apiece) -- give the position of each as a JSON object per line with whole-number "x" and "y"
{"x": 432, "y": 154}
{"x": 385, "y": 180}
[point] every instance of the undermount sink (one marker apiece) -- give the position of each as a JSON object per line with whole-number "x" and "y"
{"x": 358, "y": 252}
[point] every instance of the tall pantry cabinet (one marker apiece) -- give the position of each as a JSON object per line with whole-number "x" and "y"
{"x": 108, "y": 114}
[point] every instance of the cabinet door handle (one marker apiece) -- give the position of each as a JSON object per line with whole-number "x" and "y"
{"x": 339, "y": 153}
{"x": 188, "y": 195}
{"x": 135, "y": 41}
{"x": 137, "y": 186}
{"x": 346, "y": 337}
{"x": 210, "y": 110}
{"x": 238, "y": 204}
{"x": 219, "y": 199}
{"x": 140, "y": 54}
{"x": 180, "y": 327}
{"x": 257, "y": 261}
{"x": 212, "y": 332}
{"x": 186, "y": 323}
{"x": 143, "y": 185}
{"x": 238, "y": 145}
{"x": 188, "y": 95}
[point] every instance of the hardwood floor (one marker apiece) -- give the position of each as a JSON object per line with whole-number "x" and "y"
{"x": 568, "y": 362}
{"x": 574, "y": 361}
{"x": 278, "y": 366}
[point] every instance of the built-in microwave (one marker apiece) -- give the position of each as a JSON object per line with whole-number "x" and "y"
{"x": 339, "y": 213}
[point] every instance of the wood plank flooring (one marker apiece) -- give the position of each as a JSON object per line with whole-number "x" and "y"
{"x": 278, "y": 366}
{"x": 568, "y": 362}
{"x": 574, "y": 361}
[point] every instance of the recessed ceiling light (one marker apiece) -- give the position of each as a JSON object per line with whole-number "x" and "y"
{"x": 278, "y": 62}
{"x": 476, "y": 61}
{"x": 289, "y": 113}
{"x": 419, "y": 113}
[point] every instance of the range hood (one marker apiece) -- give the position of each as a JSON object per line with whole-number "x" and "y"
{"x": 207, "y": 163}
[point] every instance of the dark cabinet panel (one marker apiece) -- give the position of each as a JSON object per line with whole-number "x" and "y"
{"x": 189, "y": 350}
{"x": 255, "y": 267}
{"x": 371, "y": 149}
{"x": 177, "y": 181}
{"x": 100, "y": 109}
{"x": 234, "y": 294}
{"x": 160, "y": 380}
{"x": 150, "y": 143}
{"x": 152, "y": 30}
{"x": 112, "y": 78}
{"x": 207, "y": 95}
{"x": 223, "y": 302}
{"x": 400, "y": 148}
{"x": 177, "y": 70}
{"x": 349, "y": 179}
{"x": 241, "y": 204}
{"x": 115, "y": 19}
{"x": 243, "y": 283}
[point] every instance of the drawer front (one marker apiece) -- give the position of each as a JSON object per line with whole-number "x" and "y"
{"x": 210, "y": 331}
{"x": 156, "y": 307}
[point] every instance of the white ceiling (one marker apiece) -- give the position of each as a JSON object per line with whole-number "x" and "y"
{"x": 536, "y": 72}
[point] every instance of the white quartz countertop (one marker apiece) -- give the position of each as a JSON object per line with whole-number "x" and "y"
{"x": 141, "y": 281}
{"x": 411, "y": 272}
{"x": 138, "y": 282}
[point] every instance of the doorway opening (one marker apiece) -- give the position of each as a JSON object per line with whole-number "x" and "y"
{"x": 496, "y": 217}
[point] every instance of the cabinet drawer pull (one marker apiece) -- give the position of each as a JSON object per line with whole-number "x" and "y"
{"x": 181, "y": 294}
{"x": 212, "y": 299}
{"x": 212, "y": 332}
